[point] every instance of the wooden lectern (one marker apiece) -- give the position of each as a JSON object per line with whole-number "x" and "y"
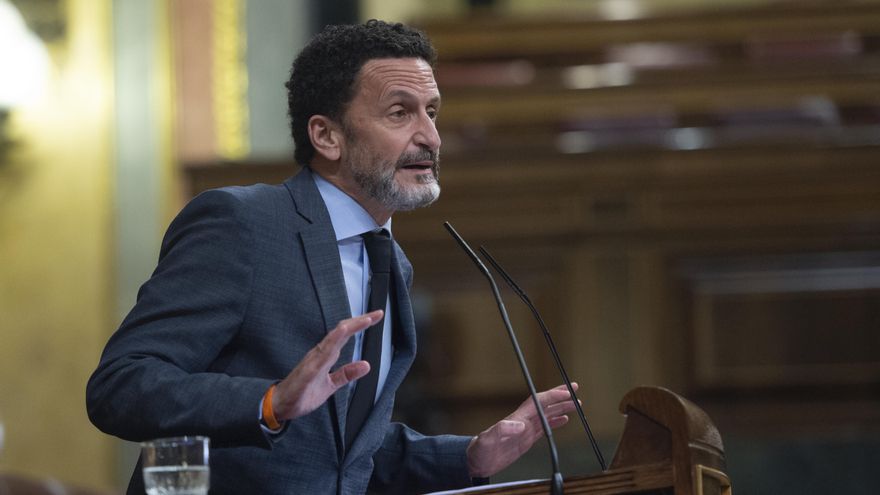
{"x": 669, "y": 446}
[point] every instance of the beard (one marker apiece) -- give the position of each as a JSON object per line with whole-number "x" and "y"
{"x": 376, "y": 177}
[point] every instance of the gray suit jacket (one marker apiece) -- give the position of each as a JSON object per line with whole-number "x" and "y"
{"x": 248, "y": 281}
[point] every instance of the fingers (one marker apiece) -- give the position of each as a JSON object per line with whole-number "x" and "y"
{"x": 548, "y": 399}
{"x": 328, "y": 349}
{"x": 349, "y": 373}
{"x": 323, "y": 356}
{"x": 554, "y": 411}
{"x": 556, "y": 394}
{"x": 346, "y": 328}
{"x": 556, "y": 404}
{"x": 557, "y": 421}
{"x": 556, "y": 401}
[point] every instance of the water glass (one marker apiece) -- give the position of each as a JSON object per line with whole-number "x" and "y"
{"x": 176, "y": 466}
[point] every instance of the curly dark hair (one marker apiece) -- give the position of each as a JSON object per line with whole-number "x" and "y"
{"x": 322, "y": 77}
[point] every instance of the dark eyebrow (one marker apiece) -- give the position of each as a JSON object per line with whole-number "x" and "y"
{"x": 407, "y": 95}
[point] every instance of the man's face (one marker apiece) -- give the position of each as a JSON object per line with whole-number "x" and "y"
{"x": 391, "y": 146}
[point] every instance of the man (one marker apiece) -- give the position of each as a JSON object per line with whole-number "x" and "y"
{"x": 244, "y": 331}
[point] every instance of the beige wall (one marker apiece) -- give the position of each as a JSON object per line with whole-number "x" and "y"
{"x": 55, "y": 259}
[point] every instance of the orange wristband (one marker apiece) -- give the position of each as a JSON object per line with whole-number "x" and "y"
{"x": 268, "y": 413}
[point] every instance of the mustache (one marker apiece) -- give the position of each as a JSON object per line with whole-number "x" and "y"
{"x": 420, "y": 156}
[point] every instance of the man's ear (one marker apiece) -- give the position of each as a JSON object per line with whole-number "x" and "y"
{"x": 325, "y": 136}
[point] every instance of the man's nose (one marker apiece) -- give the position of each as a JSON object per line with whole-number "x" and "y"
{"x": 426, "y": 134}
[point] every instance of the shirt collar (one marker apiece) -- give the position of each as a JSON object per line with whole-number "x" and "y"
{"x": 349, "y": 219}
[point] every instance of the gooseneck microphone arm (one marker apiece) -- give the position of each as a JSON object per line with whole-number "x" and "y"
{"x": 556, "y": 483}
{"x": 525, "y": 298}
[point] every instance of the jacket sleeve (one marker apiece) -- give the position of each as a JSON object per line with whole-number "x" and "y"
{"x": 155, "y": 377}
{"x": 409, "y": 462}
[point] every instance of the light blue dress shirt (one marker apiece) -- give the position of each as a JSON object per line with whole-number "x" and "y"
{"x": 350, "y": 220}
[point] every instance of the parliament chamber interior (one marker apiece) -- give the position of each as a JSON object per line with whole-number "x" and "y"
{"x": 688, "y": 191}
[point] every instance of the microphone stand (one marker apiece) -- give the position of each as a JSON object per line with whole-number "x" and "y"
{"x": 525, "y": 298}
{"x": 556, "y": 484}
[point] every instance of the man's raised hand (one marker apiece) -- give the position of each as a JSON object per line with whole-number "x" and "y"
{"x": 311, "y": 383}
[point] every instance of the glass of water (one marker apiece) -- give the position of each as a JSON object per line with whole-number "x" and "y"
{"x": 176, "y": 466}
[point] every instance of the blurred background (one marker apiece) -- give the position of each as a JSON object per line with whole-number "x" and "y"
{"x": 689, "y": 190}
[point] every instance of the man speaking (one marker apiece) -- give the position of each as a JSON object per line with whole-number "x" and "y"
{"x": 244, "y": 333}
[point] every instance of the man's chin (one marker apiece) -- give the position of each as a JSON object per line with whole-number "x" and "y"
{"x": 416, "y": 176}
{"x": 419, "y": 197}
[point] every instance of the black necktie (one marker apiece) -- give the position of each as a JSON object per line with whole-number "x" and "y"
{"x": 378, "y": 246}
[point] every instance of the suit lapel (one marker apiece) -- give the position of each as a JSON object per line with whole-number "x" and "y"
{"x": 322, "y": 257}
{"x": 325, "y": 269}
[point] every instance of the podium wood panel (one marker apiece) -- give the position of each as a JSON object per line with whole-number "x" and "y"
{"x": 668, "y": 446}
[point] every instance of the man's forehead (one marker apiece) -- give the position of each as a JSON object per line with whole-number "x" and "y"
{"x": 387, "y": 75}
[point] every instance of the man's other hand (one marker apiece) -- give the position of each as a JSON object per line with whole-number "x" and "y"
{"x": 507, "y": 440}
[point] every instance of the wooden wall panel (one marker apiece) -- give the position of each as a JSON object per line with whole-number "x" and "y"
{"x": 608, "y": 201}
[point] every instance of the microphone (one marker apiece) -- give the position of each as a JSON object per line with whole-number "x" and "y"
{"x": 556, "y": 483}
{"x": 522, "y": 295}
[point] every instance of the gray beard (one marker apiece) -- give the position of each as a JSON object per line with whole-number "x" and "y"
{"x": 381, "y": 186}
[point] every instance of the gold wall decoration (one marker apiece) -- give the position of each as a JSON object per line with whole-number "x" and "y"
{"x": 230, "y": 80}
